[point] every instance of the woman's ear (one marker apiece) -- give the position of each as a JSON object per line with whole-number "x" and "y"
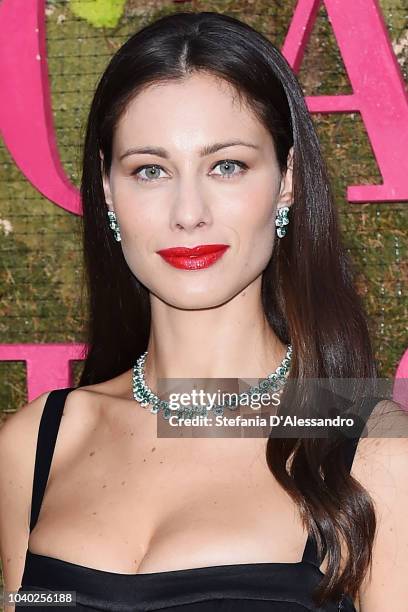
{"x": 286, "y": 188}
{"x": 106, "y": 183}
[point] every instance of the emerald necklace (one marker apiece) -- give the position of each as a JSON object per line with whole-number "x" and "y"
{"x": 145, "y": 396}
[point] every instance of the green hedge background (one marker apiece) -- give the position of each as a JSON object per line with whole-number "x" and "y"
{"x": 40, "y": 257}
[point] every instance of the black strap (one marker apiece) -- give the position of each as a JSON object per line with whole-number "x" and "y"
{"x": 350, "y": 446}
{"x": 310, "y": 551}
{"x": 47, "y": 436}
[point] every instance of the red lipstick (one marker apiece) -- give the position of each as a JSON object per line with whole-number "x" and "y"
{"x": 193, "y": 258}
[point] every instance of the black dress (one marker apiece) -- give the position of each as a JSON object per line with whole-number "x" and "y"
{"x": 257, "y": 587}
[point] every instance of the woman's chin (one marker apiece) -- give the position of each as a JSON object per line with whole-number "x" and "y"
{"x": 195, "y": 300}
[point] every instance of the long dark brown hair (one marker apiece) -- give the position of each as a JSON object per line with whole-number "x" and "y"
{"x": 308, "y": 294}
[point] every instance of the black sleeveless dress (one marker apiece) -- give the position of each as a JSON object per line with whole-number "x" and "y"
{"x": 249, "y": 587}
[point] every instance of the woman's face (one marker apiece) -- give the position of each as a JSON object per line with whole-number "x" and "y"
{"x": 183, "y": 196}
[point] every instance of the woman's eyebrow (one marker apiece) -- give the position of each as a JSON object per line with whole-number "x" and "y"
{"x": 206, "y": 150}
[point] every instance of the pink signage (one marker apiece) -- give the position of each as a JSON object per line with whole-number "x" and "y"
{"x": 26, "y": 121}
{"x": 27, "y": 127}
{"x": 47, "y": 365}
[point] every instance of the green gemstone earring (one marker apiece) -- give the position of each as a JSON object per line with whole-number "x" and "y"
{"x": 281, "y": 220}
{"x": 113, "y": 223}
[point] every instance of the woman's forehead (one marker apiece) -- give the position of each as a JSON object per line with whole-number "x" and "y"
{"x": 187, "y": 114}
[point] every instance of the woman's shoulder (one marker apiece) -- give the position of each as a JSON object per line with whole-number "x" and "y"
{"x": 385, "y": 434}
{"x": 388, "y": 419}
{"x": 83, "y": 408}
{"x": 381, "y": 467}
{"x": 89, "y": 406}
{"x": 18, "y": 431}
{"x": 18, "y": 441}
{"x": 381, "y": 460}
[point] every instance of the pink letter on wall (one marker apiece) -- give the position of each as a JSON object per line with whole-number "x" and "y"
{"x": 26, "y": 121}
{"x": 400, "y": 389}
{"x": 379, "y": 90}
{"x": 48, "y": 365}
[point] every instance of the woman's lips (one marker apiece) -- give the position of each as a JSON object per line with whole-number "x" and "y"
{"x": 195, "y": 258}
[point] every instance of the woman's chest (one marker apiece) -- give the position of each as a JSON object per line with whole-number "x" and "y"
{"x": 125, "y": 503}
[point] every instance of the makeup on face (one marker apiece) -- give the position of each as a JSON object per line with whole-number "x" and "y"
{"x": 193, "y": 258}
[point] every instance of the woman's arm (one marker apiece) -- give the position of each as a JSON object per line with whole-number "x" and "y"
{"x": 381, "y": 466}
{"x": 18, "y": 439}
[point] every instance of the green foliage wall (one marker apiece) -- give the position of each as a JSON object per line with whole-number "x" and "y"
{"x": 40, "y": 257}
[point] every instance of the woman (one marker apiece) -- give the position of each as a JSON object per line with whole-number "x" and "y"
{"x": 198, "y": 134}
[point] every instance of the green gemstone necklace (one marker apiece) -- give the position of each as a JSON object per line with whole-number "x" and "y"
{"x": 145, "y": 396}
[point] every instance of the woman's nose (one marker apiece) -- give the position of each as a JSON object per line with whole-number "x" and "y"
{"x": 190, "y": 210}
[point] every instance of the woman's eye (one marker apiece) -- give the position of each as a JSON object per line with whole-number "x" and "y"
{"x": 152, "y": 172}
{"x": 227, "y": 168}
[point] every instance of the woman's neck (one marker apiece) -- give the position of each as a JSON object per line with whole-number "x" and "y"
{"x": 233, "y": 340}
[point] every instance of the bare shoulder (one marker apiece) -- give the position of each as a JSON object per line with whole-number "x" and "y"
{"x": 381, "y": 467}
{"x": 18, "y": 433}
{"x": 18, "y": 436}
{"x": 18, "y": 443}
{"x": 382, "y": 455}
{"x": 83, "y": 412}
